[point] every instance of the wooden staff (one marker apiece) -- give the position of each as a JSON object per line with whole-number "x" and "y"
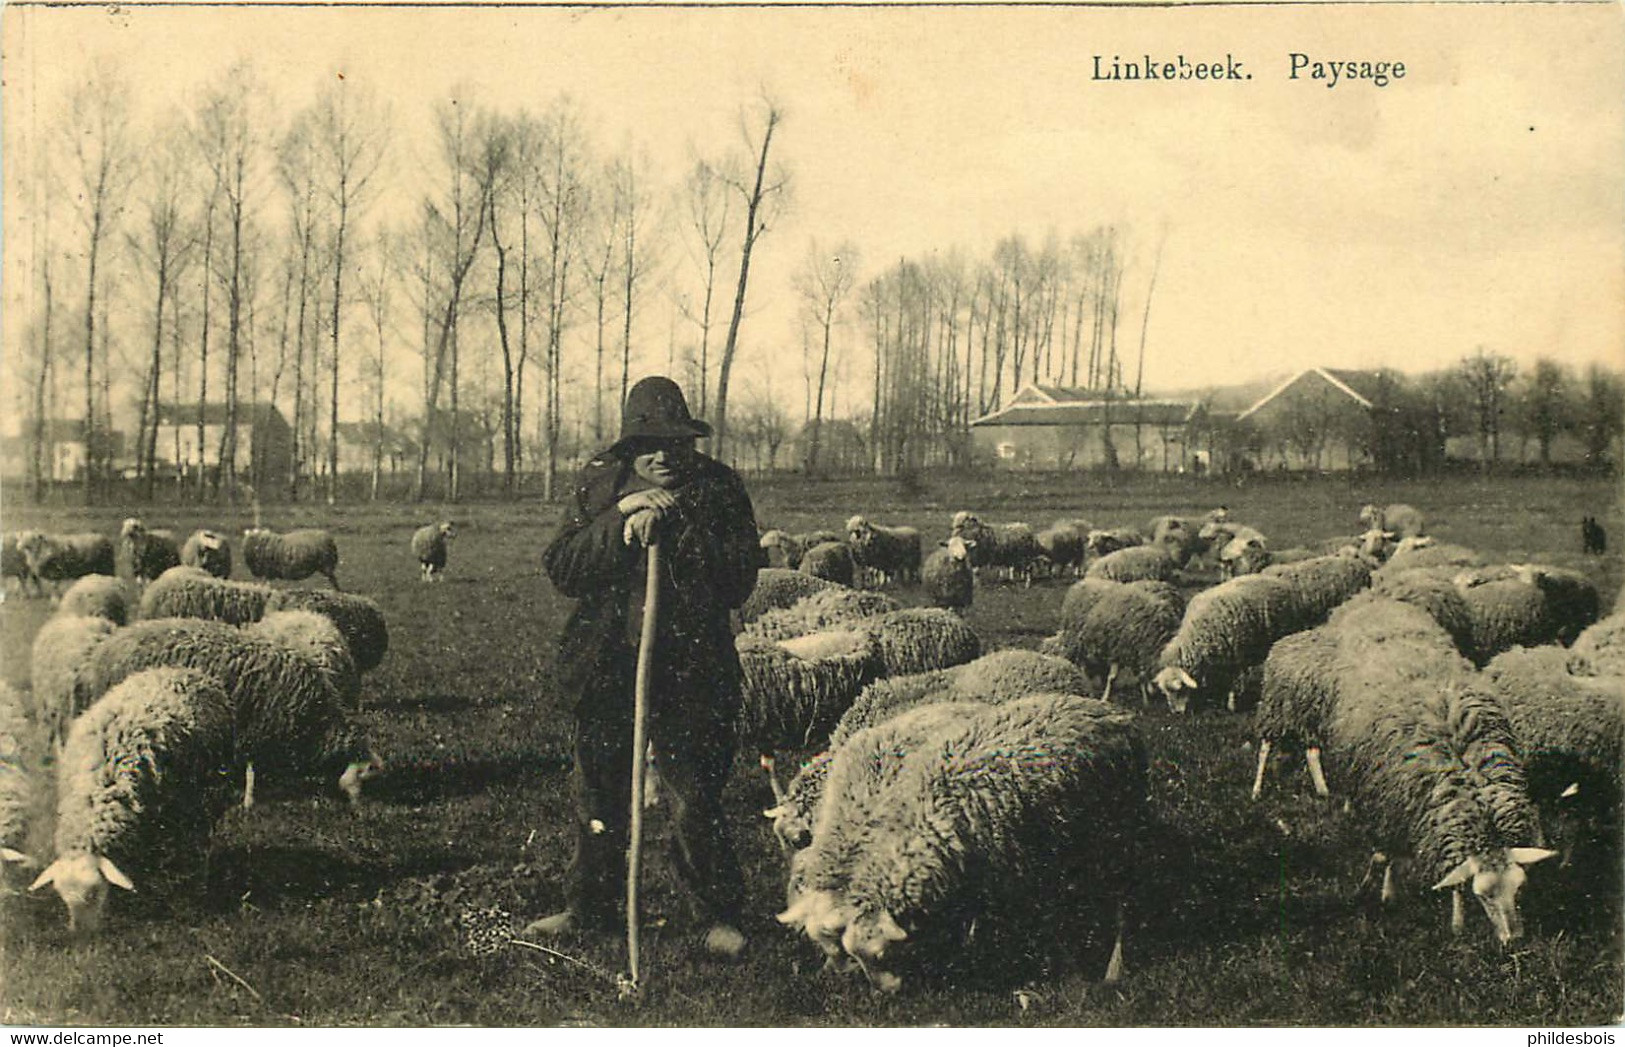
{"x": 640, "y": 745}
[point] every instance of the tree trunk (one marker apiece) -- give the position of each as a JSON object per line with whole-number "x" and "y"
{"x": 731, "y": 346}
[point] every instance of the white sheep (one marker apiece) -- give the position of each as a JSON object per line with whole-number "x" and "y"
{"x": 291, "y": 556}
{"x": 778, "y": 588}
{"x": 60, "y": 650}
{"x": 947, "y": 577}
{"x": 64, "y": 557}
{"x": 795, "y": 690}
{"x": 19, "y": 768}
{"x": 208, "y": 551}
{"x": 192, "y": 592}
{"x": 1525, "y": 605}
{"x": 1601, "y": 646}
{"x": 1295, "y": 700}
{"x": 1062, "y": 544}
{"x": 1424, "y": 551}
{"x": 137, "y": 782}
{"x": 891, "y": 552}
{"x": 1226, "y": 631}
{"x": 1105, "y": 541}
{"x": 1404, "y": 520}
{"x": 1125, "y": 628}
{"x": 149, "y": 553}
{"x": 820, "y": 610}
{"x": 430, "y": 544}
{"x": 359, "y": 619}
{"x": 101, "y": 595}
{"x": 786, "y": 550}
{"x": 14, "y": 564}
{"x": 1136, "y": 563}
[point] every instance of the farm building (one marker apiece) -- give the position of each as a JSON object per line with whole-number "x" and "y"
{"x": 1056, "y": 427}
{"x": 264, "y": 438}
{"x": 64, "y": 458}
{"x": 1319, "y": 417}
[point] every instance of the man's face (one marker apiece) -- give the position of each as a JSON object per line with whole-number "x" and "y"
{"x": 663, "y": 463}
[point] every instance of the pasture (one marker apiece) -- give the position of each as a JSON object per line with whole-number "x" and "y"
{"x": 312, "y": 915}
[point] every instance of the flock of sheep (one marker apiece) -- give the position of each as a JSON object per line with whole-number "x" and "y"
{"x": 1473, "y": 713}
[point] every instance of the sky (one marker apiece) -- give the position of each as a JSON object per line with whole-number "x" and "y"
{"x": 1479, "y": 201}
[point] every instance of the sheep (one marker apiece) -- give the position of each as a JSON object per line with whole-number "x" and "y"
{"x": 358, "y": 618}
{"x": 1571, "y": 731}
{"x": 779, "y": 587}
{"x": 1424, "y": 551}
{"x": 1105, "y": 541}
{"x": 830, "y": 561}
{"x": 208, "y": 551}
{"x": 1062, "y": 545}
{"x": 14, "y": 564}
{"x": 916, "y": 639}
{"x": 991, "y": 680}
{"x": 1431, "y": 759}
{"x": 947, "y": 577}
{"x": 1012, "y": 546}
{"x": 1243, "y": 555}
{"x": 60, "y": 650}
{"x": 1178, "y": 537}
{"x": 1126, "y": 628}
{"x": 1137, "y": 563}
{"x": 287, "y": 699}
{"x": 1226, "y": 630}
{"x": 1080, "y": 596}
{"x": 1404, "y": 520}
{"x": 983, "y": 817}
{"x": 192, "y": 592}
{"x": 101, "y": 595}
{"x": 1433, "y": 591}
{"x": 18, "y": 770}
{"x": 64, "y": 557}
{"x": 149, "y": 553}
{"x": 820, "y": 610}
{"x": 1600, "y": 648}
{"x": 1322, "y": 583}
{"x": 429, "y": 544}
{"x": 786, "y": 550}
{"x": 795, "y": 690}
{"x": 891, "y": 552}
{"x": 1525, "y": 605}
{"x": 292, "y": 556}
{"x": 138, "y": 778}
{"x": 1295, "y": 697}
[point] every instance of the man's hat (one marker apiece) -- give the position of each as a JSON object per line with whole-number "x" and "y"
{"x": 655, "y": 410}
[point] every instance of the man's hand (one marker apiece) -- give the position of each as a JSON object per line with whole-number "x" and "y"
{"x": 641, "y": 526}
{"x": 643, "y": 510}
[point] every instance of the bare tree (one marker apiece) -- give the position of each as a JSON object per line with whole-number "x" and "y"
{"x": 296, "y": 169}
{"x": 637, "y": 253}
{"x": 1486, "y": 377}
{"x": 562, "y": 203}
{"x": 708, "y": 200}
{"x": 496, "y": 159}
{"x": 605, "y": 217}
{"x": 378, "y": 290}
{"x": 760, "y": 197}
{"x": 1545, "y": 407}
{"x": 824, "y": 283}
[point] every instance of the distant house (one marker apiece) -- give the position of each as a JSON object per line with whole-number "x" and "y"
{"x": 1319, "y": 418}
{"x": 1057, "y": 427}
{"x": 65, "y": 454}
{"x": 264, "y": 440}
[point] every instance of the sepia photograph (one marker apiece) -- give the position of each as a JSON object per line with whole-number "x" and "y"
{"x": 1032, "y": 515}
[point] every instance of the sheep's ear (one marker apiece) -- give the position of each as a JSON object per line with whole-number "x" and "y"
{"x": 48, "y": 876}
{"x": 1529, "y": 855}
{"x": 796, "y": 915}
{"x": 1572, "y": 790}
{"x": 8, "y": 854}
{"x": 889, "y": 929}
{"x": 1459, "y": 875}
{"x": 114, "y": 875}
{"x": 776, "y": 812}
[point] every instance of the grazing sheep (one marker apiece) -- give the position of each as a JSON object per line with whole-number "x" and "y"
{"x": 1226, "y": 630}
{"x": 429, "y": 545}
{"x": 1425, "y": 552}
{"x": 1139, "y": 563}
{"x": 786, "y": 550}
{"x": 137, "y": 782}
{"x": 1126, "y": 628}
{"x": 1600, "y": 648}
{"x": 917, "y": 639}
{"x": 1012, "y": 546}
{"x": 208, "y": 551}
{"x": 292, "y": 556}
{"x": 1320, "y": 584}
{"x": 1593, "y": 539}
{"x": 359, "y": 619}
{"x": 61, "y": 648}
{"x": 1243, "y": 555}
{"x": 149, "y": 553}
{"x": 192, "y": 592}
{"x": 829, "y": 607}
{"x": 1571, "y": 732}
{"x": 1062, "y": 545}
{"x": 64, "y": 557}
{"x": 1525, "y": 606}
{"x": 287, "y": 701}
{"x": 101, "y": 595}
{"x": 1178, "y": 537}
{"x": 1105, "y": 541}
{"x": 830, "y": 561}
{"x": 1432, "y": 590}
{"x": 1295, "y": 698}
{"x": 1080, "y": 596}
{"x": 14, "y": 564}
{"x": 1431, "y": 760}
{"x": 1042, "y": 797}
{"x": 1403, "y": 520}
{"x": 947, "y": 577}
{"x": 19, "y": 767}
{"x": 795, "y": 690}
{"x": 777, "y": 588}
{"x": 892, "y": 552}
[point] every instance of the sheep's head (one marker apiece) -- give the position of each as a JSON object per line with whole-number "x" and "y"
{"x": 1176, "y": 686}
{"x": 132, "y": 528}
{"x": 447, "y": 530}
{"x": 858, "y": 529}
{"x": 1371, "y": 516}
{"x": 357, "y": 772}
{"x": 209, "y": 540}
{"x": 820, "y": 913}
{"x": 872, "y": 940}
{"x": 1495, "y": 884}
{"x": 1377, "y": 544}
{"x": 81, "y": 880}
{"x": 1214, "y": 529}
{"x": 773, "y": 539}
{"x": 964, "y": 520}
{"x": 959, "y": 548}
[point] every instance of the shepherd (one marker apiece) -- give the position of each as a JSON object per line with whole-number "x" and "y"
{"x": 653, "y": 486}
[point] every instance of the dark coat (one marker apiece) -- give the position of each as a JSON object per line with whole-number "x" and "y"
{"x": 710, "y": 553}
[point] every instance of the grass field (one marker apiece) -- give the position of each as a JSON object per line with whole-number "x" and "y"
{"x": 314, "y": 915}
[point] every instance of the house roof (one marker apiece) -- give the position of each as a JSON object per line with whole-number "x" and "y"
{"x": 215, "y": 413}
{"x": 1359, "y": 386}
{"x": 1091, "y": 412}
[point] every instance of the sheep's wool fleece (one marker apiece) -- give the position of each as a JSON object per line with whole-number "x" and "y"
{"x": 1134, "y": 564}
{"x": 16, "y": 769}
{"x": 142, "y": 766}
{"x": 919, "y": 639}
{"x": 779, "y": 587}
{"x": 795, "y": 691}
{"x": 1298, "y": 688}
{"x": 821, "y": 610}
{"x": 831, "y": 562}
{"x": 1506, "y": 613}
{"x": 1321, "y": 584}
{"x": 358, "y": 618}
{"x": 208, "y": 552}
{"x": 101, "y": 595}
{"x": 291, "y": 556}
{"x": 315, "y": 636}
{"x": 61, "y": 649}
{"x": 1602, "y": 646}
{"x": 1561, "y": 718}
{"x": 1229, "y": 627}
{"x": 1431, "y": 590}
{"x": 191, "y": 592}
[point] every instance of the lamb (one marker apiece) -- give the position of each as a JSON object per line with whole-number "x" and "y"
{"x": 1012, "y": 546}
{"x": 61, "y": 648}
{"x": 18, "y": 768}
{"x": 947, "y": 577}
{"x": 192, "y": 592}
{"x": 1126, "y": 628}
{"x": 359, "y": 619}
{"x": 1226, "y": 630}
{"x": 101, "y": 595}
{"x": 1137, "y": 563}
{"x": 821, "y": 610}
{"x": 292, "y": 556}
{"x": 777, "y": 588}
{"x": 208, "y": 551}
{"x": 891, "y": 552}
{"x": 795, "y": 690}
{"x": 786, "y": 550}
{"x": 1432, "y": 759}
{"x": 149, "y": 553}
{"x": 429, "y": 545}
{"x": 138, "y": 780}
{"x": 832, "y": 562}
{"x": 64, "y": 557}
{"x": 1404, "y": 520}
{"x": 982, "y": 818}
{"x": 287, "y": 700}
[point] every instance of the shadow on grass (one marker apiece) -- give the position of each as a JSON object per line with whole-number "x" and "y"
{"x": 418, "y": 780}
